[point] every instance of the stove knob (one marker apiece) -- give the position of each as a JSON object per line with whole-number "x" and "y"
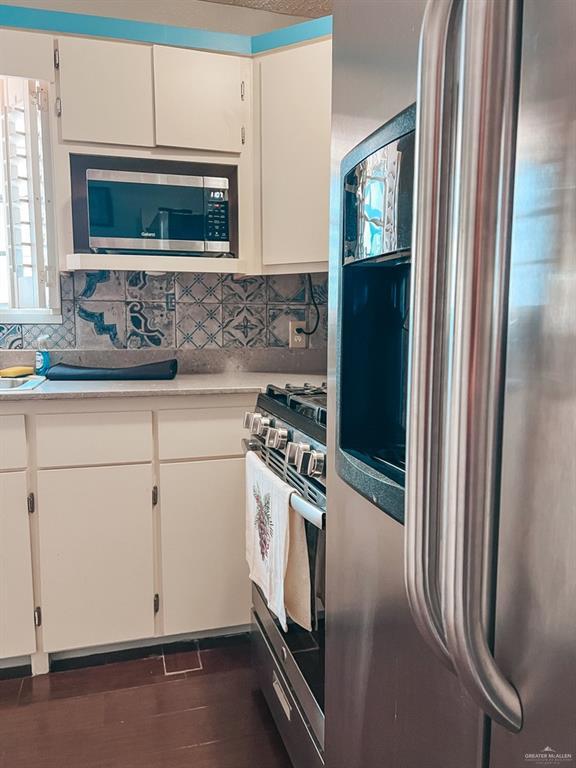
{"x": 277, "y": 438}
{"x": 261, "y": 425}
{"x": 311, "y": 463}
{"x": 293, "y": 451}
{"x": 249, "y": 419}
{"x": 317, "y": 464}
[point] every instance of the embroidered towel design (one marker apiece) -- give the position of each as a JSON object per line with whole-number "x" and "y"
{"x": 263, "y": 521}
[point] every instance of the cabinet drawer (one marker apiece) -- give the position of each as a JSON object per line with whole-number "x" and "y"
{"x": 12, "y": 442}
{"x": 78, "y": 439}
{"x": 200, "y": 433}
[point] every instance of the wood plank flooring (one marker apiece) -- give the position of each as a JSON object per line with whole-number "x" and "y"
{"x": 195, "y": 708}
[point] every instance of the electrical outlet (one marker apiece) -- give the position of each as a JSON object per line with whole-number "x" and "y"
{"x": 297, "y": 340}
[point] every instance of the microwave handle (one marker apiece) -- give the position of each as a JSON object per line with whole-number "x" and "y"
{"x": 478, "y": 263}
{"x": 426, "y": 343}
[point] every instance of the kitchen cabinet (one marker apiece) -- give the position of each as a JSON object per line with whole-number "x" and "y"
{"x": 200, "y": 432}
{"x": 97, "y": 558}
{"x": 295, "y": 107}
{"x": 201, "y": 99}
{"x": 77, "y": 439}
{"x": 12, "y": 442}
{"x": 106, "y": 90}
{"x": 17, "y": 632}
{"x": 205, "y": 581}
{"x": 26, "y": 54}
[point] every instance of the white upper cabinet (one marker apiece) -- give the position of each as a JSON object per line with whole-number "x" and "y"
{"x": 295, "y": 124}
{"x": 200, "y": 100}
{"x": 106, "y": 91}
{"x": 26, "y": 54}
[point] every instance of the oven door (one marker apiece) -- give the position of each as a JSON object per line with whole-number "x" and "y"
{"x": 299, "y": 653}
{"x": 131, "y": 211}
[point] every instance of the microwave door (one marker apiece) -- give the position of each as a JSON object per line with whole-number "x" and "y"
{"x": 130, "y": 211}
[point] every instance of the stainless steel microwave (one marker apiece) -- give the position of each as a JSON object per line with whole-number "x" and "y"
{"x": 130, "y": 211}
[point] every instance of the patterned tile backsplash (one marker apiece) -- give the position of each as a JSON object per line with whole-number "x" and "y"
{"x": 107, "y": 310}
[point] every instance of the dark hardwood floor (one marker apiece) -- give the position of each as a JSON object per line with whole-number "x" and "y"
{"x": 197, "y": 708}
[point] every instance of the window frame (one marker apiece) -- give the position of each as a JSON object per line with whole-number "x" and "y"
{"x": 46, "y": 273}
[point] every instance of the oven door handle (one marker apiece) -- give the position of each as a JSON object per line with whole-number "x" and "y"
{"x": 424, "y": 436}
{"x": 308, "y": 511}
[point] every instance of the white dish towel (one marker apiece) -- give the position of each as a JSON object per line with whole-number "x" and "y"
{"x": 267, "y": 532}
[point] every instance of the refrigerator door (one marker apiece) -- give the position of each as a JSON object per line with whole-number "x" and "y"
{"x": 389, "y": 700}
{"x": 536, "y": 601}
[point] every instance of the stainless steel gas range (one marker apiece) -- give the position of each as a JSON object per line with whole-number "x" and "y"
{"x": 288, "y": 430}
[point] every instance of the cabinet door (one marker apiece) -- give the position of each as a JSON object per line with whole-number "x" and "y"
{"x": 200, "y": 101}
{"x": 96, "y": 555}
{"x": 106, "y": 90}
{"x": 17, "y": 633}
{"x": 295, "y": 121}
{"x": 204, "y": 573}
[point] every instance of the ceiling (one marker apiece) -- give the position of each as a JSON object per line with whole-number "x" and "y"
{"x": 309, "y": 8}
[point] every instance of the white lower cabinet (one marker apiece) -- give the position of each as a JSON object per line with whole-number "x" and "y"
{"x": 96, "y": 555}
{"x": 17, "y": 633}
{"x": 204, "y": 573}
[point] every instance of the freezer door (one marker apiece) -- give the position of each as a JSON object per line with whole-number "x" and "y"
{"x": 536, "y": 601}
{"x": 390, "y": 703}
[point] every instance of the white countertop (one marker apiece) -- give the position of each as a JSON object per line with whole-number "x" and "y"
{"x": 234, "y": 382}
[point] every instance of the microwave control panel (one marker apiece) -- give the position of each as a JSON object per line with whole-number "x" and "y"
{"x": 217, "y": 213}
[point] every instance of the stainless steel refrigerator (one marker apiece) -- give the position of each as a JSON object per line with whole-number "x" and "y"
{"x": 451, "y": 548}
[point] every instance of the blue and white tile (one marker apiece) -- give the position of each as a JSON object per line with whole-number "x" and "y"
{"x": 244, "y": 289}
{"x": 320, "y": 287}
{"x": 199, "y": 326}
{"x": 286, "y": 289}
{"x": 149, "y": 324}
{"x": 60, "y": 335}
{"x": 244, "y": 325}
{"x": 319, "y": 339}
{"x": 99, "y": 285}
{"x": 10, "y": 336}
{"x": 278, "y": 323}
{"x": 67, "y": 286}
{"x": 198, "y": 287}
{"x": 143, "y": 286}
{"x": 100, "y": 324}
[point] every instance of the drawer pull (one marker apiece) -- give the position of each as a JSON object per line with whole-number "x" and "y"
{"x": 281, "y": 696}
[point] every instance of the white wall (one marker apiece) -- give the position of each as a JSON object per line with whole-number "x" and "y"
{"x": 180, "y": 13}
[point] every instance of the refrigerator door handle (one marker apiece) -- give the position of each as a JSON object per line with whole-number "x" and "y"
{"x": 478, "y": 264}
{"x": 426, "y": 344}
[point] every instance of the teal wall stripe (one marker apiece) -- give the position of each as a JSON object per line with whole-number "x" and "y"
{"x": 161, "y": 34}
{"x": 122, "y": 29}
{"x": 296, "y": 33}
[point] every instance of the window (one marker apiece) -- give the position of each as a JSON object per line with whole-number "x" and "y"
{"x": 28, "y": 261}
